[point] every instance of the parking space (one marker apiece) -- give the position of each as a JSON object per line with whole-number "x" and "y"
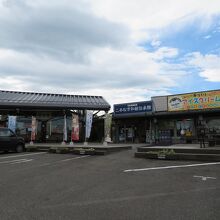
{"x": 65, "y": 186}
{"x": 13, "y": 162}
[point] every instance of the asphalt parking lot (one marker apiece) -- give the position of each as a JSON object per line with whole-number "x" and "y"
{"x": 115, "y": 186}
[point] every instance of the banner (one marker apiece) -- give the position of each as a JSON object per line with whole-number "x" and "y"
{"x": 194, "y": 101}
{"x": 89, "y": 117}
{"x": 12, "y": 123}
{"x": 108, "y": 123}
{"x": 75, "y": 127}
{"x": 64, "y": 130}
{"x": 33, "y": 128}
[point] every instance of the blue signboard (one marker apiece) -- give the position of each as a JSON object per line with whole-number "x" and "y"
{"x": 134, "y": 107}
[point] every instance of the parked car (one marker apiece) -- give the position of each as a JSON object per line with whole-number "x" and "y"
{"x": 9, "y": 141}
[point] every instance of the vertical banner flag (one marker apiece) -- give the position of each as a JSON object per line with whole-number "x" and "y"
{"x": 64, "y": 130}
{"x": 12, "y": 123}
{"x": 89, "y": 117}
{"x": 108, "y": 123}
{"x": 75, "y": 127}
{"x": 33, "y": 128}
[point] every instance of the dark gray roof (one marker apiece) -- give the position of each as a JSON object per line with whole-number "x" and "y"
{"x": 31, "y": 100}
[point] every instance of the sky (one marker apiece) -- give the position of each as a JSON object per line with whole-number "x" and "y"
{"x": 123, "y": 50}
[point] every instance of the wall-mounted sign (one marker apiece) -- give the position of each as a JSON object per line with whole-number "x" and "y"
{"x": 194, "y": 101}
{"x": 136, "y": 107}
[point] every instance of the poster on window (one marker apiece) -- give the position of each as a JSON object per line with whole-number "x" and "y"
{"x": 75, "y": 127}
{"x": 89, "y": 117}
{"x": 12, "y": 123}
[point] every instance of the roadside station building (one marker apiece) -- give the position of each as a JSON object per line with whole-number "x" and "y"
{"x": 49, "y": 112}
{"x": 169, "y": 119}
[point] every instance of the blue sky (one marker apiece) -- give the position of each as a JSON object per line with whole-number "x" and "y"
{"x": 188, "y": 39}
{"x": 124, "y": 50}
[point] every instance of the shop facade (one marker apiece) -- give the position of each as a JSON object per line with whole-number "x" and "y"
{"x": 184, "y": 115}
{"x": 169, "y": 119}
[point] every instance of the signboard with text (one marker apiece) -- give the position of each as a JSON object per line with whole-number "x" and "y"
{"x": 194, "y": 101}
{"x": 135, "y": 107}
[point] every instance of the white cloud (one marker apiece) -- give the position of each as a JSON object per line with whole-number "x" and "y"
{"x": 211, "y": 75}
{"x": 107, "y": 69}
{"x": 155, "y": 14}
{"x": 62, "y": 32}
{"x": 208, "y": 65}
{"x": 93, "y": 47}
{"x": 155, "y": 43}
{"x": 165, "y": 52}
{"x": 207, "y": 37}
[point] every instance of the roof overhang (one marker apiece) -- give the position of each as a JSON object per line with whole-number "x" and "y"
{"x": 29, "y": 101}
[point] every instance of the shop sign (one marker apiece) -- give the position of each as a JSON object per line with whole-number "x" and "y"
{"x": 129, "y": 108}
{"x": 194, "y": 101}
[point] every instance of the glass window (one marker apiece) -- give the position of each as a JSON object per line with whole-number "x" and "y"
{"x": 166, "y": 126}
{"x": 184, "y": 127}
{"x": 214, "y": 125}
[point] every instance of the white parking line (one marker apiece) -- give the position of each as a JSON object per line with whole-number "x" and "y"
{"x": 16, "y": 161}
{"x": 204, "y": 178}
{"x": 22, "y": 161}
{"x": 171, "y": 167}
{"x": 23, "y": 155}
{"x": 75, "y": 158}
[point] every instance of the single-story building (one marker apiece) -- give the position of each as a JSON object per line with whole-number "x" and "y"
{"x": 49, "y": 112}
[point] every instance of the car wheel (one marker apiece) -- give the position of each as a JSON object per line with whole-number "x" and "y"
{"x": 19, "y": 148}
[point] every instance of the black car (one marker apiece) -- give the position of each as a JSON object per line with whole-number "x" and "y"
{"x": 9, "y": 141}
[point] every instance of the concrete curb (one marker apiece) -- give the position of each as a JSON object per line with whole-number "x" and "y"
{"x": 179, "y": 156}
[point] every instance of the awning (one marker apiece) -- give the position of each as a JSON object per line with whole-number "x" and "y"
{"x": 10, "y": 100}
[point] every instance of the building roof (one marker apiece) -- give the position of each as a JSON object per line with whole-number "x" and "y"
{"x": 33, "y": 100}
